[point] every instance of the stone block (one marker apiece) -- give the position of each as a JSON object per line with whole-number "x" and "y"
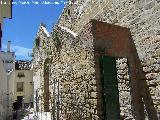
{"x": 150, "y": 5}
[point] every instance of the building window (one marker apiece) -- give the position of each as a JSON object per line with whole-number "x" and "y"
{"x": 20, "y": 74}
{"x": 9, "y": 61}
{"x": 19, "y": 86}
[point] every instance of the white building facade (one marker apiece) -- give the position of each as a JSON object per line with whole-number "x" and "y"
{"x": 8, "y": 58}
{"x": 8, "y": 62}
{"x": 3, "y": 91}
{"x": 6, "y": 94}
{"x": 23, "y": 84}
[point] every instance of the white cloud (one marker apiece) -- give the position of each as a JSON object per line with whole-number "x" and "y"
{"x": 21, "y": 52}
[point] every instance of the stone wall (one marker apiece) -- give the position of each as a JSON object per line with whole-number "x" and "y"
{"x": 73, "y": 88}
{"x": 72, "y": 78}
{"x": 40, "y": 55}
{"x": 73, "y": 68}
{"x": 142, "y": 19}
{"x": 124, "y": 88}
{"x": 140, "y": 16}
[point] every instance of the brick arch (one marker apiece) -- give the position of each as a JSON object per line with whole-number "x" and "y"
{"x": 116, "y": 41}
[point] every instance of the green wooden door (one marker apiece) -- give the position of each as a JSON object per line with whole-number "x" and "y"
{"x": 110, "y": 89}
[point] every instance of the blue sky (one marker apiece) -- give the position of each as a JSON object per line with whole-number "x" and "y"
{"x": 22, "y": 28}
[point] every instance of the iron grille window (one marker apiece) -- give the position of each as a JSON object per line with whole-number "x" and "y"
{"x": 19, "y": 86}
{"x": 21, "y": 74}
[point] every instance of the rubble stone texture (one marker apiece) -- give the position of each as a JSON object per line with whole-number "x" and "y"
{"x": 73, "y": 89}
{"x": 124, "y": 87}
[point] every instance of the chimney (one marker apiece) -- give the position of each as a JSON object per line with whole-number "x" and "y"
{"x": 9, "y": 46}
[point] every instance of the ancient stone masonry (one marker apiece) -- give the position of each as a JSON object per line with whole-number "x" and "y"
{"x": 140, "y": 16}
{"x": 74, "y": 90}
{"x": 73, "y": 68}
{"x": 38, "y": 66}
{"x": 124, "y": 87}
{"x": 72, "y": 80}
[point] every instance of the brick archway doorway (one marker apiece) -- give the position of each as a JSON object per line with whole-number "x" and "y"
{"x": 116, "y": 41}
